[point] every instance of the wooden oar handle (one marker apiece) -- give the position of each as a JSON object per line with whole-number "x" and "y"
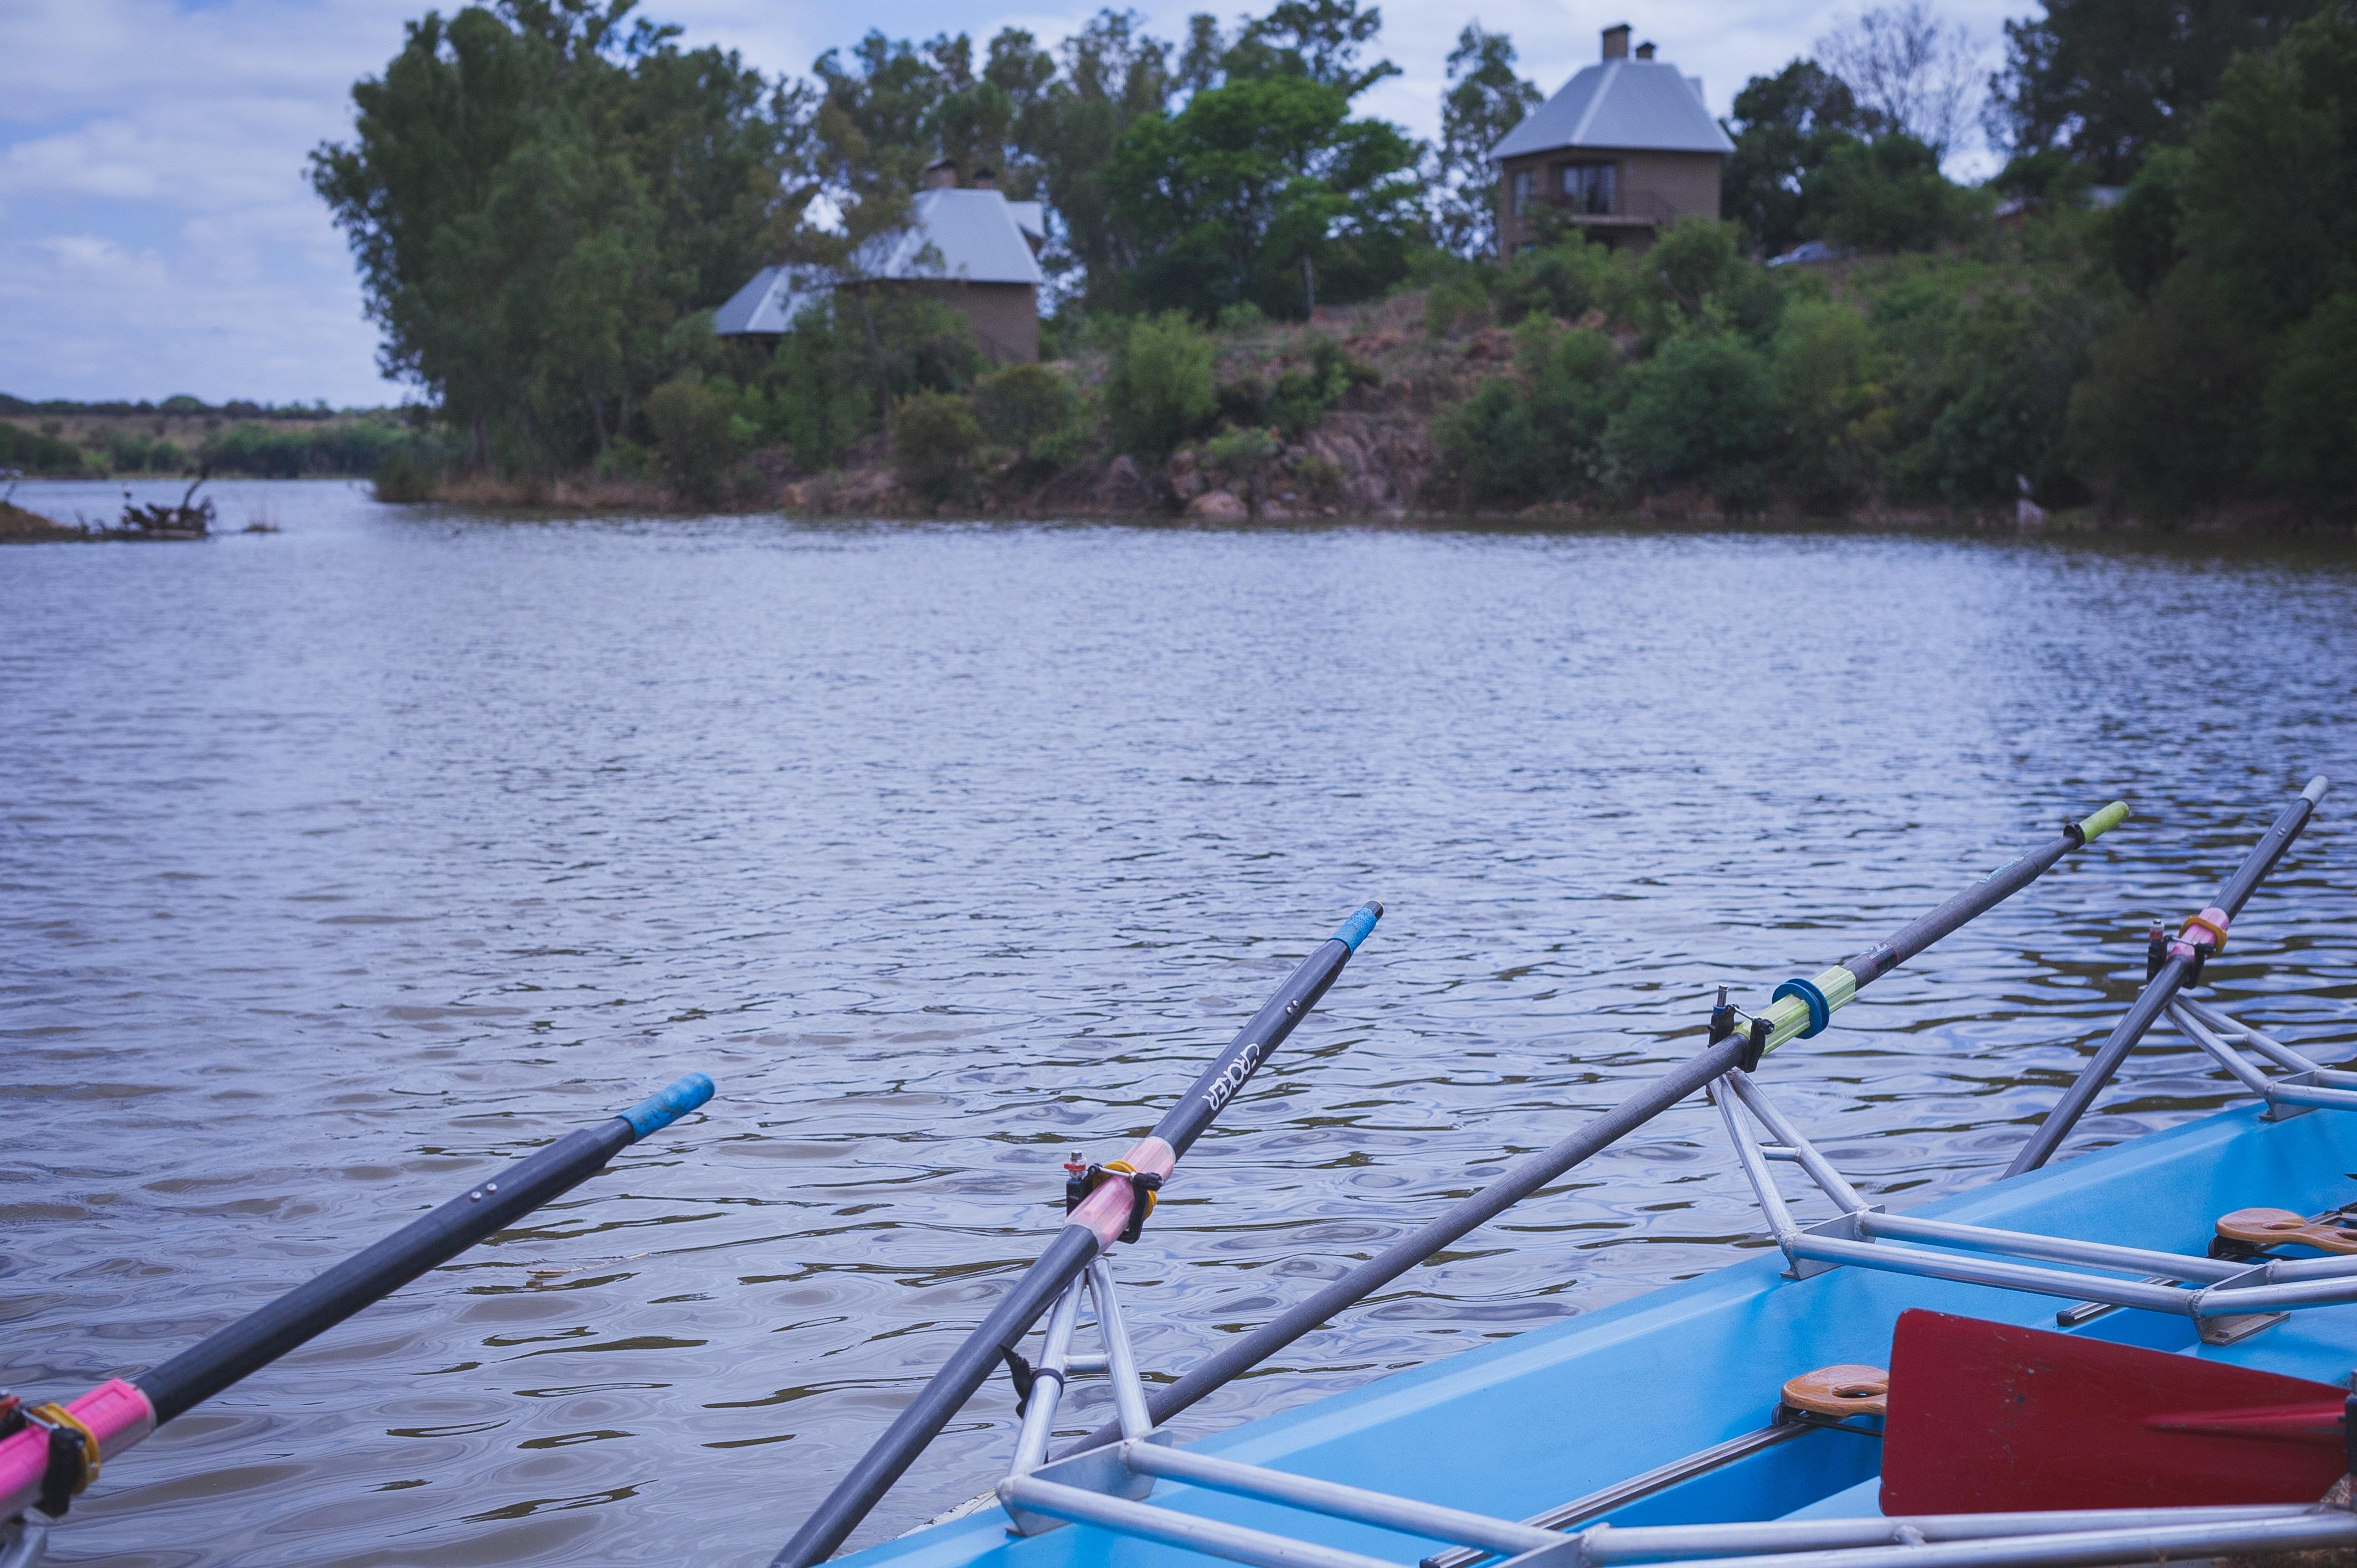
{"x": 2281, "y": 1227}
{"x": 1840, "y": 1392}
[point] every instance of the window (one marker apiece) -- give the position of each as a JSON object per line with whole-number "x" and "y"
{"x": 1526, "y": 189}
{"x": 1587, "y": 187}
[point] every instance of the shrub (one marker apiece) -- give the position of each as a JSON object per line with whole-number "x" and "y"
{"x": 1533, "y": 437}
{"x": 1023, "y": 405}
{"x": 1822, "y": 360}
{"x": 1884, "y": 194}
{"x": 691, "y": 424}
{"x": 821, "y": 397}
{"x": 2167, "y": 415}
{"x": 1703, "y": 407}
{"x": 2138, "y": 237}
{"x": 1159, "y": 392}
{"x": 1697, "y": 276}
{"x": 1567, "y": 277}
{"x": 1241, "y": 317}
{"x": 1239, "y": 455}
{"x": 934, "y": 435}
{"x": 407, "y": 471}
{"x": 2311, "y": 407}
{"x": 1243, "y": 400}
{"x": 1460, "y": 301}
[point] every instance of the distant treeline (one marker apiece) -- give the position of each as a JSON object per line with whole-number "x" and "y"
{"x": 350, "y": 448}
{"x": 180, "y": 405}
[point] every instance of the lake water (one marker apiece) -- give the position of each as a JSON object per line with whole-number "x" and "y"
{"x": 341, "y": 863}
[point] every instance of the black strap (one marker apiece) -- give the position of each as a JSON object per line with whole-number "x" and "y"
{"x": 67, "y": 1471}
{"x": 1021, "y": 1371}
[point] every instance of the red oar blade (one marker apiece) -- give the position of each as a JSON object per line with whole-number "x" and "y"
{"x": 1988, "y": 1418}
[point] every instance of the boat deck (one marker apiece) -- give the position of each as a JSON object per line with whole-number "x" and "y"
{"x": 1528, "y": 1422}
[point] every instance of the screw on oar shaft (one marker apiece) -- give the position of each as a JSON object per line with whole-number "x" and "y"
{"x": 1101, "y": 1217}
{"x": 1788, "y": 1019}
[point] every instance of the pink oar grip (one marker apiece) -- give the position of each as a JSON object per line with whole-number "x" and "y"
{"x": 117, "y": 1414}
{"x": 1106, "y": 1210}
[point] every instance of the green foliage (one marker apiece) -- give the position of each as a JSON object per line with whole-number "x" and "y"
{"x": 2109, "y": 81}
{"x": 1534, "y": 437}
{"x": 1885, "y": 195}
{"x": 934, "y": 435}
{"x": 1159, "y": 392}
{"x": 1567, "y": 277}
{"x": 2168, "y": 415}
{"x": 2270, "y": 193}
{"x": 2311, "y": 409}
{"x": 1241, "y": 318}
{"x": 1485, "y": 100}
{"x": 822, "y": 398}
{"x": 258, "y": 451}
{"x": 533, "y": 194}
{"x": 1023, "y": 405}
{"x": 1783, "y": 128}
{"x": 1694, "y": 279}
{"x": 2139, "y": 237}
{"x": 1824, "y": 362}
{"x": 410, "y": 468}
{"x": 1302, "y": 395}
{"x": 691, "y": 425}
{"x": 1702, "y": 408}
{"x": 1239, "y": 455}
{"x": 42, "y": 455}
{"x": 1264, "y": 189}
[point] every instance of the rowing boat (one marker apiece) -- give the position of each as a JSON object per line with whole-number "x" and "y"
{"x": 1668, "y": 1428}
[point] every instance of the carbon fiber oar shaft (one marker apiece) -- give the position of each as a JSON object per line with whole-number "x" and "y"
{"x": 1096, "y": 1224}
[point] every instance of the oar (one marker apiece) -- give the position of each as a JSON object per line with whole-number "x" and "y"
{"x": 54, "y": 1451}
{"x": 1987, "y": 1418}
{"x": 1115, "y": 1205}
{"x": 2202, "y": 935}
{"x": 1801, "y": 1010}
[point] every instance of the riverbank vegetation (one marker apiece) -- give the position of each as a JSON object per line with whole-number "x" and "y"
{"x": 60, "y": 439}
{"x": 1267, "y": 301}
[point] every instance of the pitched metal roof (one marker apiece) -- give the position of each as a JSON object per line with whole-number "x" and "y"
{"x": 1638, "y": 105}
{"x": 769, "y": 303}
{"x": 972, "y": 236}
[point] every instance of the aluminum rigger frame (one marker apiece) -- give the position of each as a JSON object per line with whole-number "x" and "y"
{"x": 1108, "y": 1486}
{"x": 2227, "y": 1300}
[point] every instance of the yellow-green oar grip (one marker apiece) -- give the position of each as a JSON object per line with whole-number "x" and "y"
{"x": 2104, "y": 822}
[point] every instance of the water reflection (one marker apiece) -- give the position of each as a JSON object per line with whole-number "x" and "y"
{"x": 342, "y": 861}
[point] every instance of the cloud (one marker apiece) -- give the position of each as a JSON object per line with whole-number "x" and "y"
{"x": 161, "y": 237}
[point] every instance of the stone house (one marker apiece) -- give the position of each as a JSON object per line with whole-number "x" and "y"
{"x": 966, "y": 245}
{"x": 1623, "y": 150}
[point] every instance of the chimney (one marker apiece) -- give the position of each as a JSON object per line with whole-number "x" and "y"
{"x": 984, "y": 179}
{"x": 1645, "y": 50}
{"x": 1615, "y": 42}
{"x": 942, "y": 175}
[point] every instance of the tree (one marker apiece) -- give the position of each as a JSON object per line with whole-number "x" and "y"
{"x": 534, "y": 193}
{"x": 1319, "y": 40}
{"x": 1160, "y": 391}
{"x": 2269, "y": 196}
{"x": 2311, "y": 408}
{"x": 1264, "y": 189}
{"x": 2111, "y": 80}
{"x": 2168, "y": 415}
{"x": 1883, "y": 195}
{"x": 1114, "y": 75}
{"x": 1916, "y": 73}
{"x": 1783, "y": 127}
{"x": 1485, "y": 100}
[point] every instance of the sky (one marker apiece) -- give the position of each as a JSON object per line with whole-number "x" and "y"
{"x": 157, "y": 234}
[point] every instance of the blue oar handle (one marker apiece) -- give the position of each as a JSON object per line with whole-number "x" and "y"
{"x": 665, "y": 1106}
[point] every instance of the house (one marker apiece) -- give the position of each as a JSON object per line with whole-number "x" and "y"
{"x": 966, "y": 245}
{"x": 1625, "y": 149}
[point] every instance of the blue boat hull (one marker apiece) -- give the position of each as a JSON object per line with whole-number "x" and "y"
{"x": 1525, "y": 1423}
